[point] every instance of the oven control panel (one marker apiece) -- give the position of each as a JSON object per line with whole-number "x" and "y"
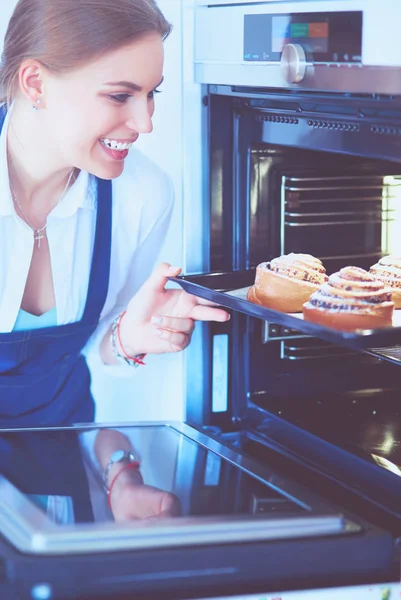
{"x": 350, "y": 46}
{"x": 324, "y": 37}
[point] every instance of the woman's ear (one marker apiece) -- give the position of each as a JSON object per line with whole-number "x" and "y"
{"x": 31, "y": 82}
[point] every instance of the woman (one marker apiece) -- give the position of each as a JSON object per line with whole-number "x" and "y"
{"x": 82, "y": 216}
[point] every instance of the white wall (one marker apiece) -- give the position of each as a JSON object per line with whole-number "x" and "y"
{"x": 157, "y": 392}
{"x": 7, "y": 7}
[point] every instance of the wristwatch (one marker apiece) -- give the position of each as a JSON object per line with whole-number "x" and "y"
{"x": 118, "y": 456}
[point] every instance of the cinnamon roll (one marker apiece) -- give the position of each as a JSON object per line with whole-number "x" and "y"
{"x": 286, "y": 282}
{"x": 351, "y": 299}
{"x": 388, "y": 271}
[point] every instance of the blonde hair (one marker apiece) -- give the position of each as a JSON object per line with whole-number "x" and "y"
{"x": 65, "y": 34}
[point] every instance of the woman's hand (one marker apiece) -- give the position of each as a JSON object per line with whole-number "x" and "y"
{"x": 159, "y": 320}
{"x": 131, "y": 501}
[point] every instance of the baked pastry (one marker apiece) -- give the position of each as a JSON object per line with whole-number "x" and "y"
{"x": 286, "y": 282}
{"x": 388, "y": 271}
{"x": 351, "y": 299}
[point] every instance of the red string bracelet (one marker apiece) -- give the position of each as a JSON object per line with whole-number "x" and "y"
{"x": 138, "y": 360}
{"x": 131, "y": 465}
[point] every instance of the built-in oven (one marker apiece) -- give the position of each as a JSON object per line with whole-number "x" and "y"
{"x": 302, "y": 148}
{"x": 290, "y": 476}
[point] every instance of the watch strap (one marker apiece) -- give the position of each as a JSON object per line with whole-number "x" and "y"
{"x": 118, "y": 456}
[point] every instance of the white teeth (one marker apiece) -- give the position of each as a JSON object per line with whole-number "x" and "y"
{"x": 113, "y": 145}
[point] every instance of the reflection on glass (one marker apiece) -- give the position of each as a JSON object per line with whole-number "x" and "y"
{"x": 61, "y": 472}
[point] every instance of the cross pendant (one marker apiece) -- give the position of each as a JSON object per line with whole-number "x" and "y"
{"x": 37, "y": 236}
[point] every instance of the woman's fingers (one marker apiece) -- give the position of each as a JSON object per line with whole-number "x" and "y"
{"x": 205, "y": 302}
{"x": 173, "y": 323}
{"x": 159, "y": 278}
{"x": 170, "y": 506}
{"x": 207, "y": 313}
{"x": 176, "y": 339}
{"x": 198, "y": 313}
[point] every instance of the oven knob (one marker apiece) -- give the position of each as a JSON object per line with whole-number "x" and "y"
{"x": 293, "y": 63}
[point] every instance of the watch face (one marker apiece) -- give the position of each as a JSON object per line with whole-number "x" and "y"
{"x": 117, "y": 456}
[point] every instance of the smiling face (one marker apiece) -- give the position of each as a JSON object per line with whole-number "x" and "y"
{"x": 93, "y": 114}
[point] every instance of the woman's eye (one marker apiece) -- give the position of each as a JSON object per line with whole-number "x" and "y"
{"x": 121, "y": 98}
{"x": 152, "y": 94}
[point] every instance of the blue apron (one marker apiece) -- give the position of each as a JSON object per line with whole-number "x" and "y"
{"x": 44, "y": 379}
{"x": 47, "y": 463}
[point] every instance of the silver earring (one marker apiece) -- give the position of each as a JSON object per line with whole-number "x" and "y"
{"x": 36, "y": 107}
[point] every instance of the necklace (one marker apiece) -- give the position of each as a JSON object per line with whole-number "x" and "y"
{"x": 39, "y": 234}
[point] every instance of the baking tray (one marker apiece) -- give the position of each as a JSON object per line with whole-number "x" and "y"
{"x": 229, "y": 290}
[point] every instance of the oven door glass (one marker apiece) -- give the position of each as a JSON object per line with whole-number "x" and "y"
{"x": 54, "y": 501}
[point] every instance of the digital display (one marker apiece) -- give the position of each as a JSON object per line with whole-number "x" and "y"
{"x": 325, "y": 36}
{"x": 314, "y": 37}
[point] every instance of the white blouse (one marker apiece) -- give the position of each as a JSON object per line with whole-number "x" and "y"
{"x": 142, "y": 206}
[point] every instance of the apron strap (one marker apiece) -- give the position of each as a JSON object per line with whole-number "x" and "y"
{"x": 100, "y": 270}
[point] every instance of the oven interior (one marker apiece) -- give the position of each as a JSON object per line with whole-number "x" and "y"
{"x": 317, "y": 174}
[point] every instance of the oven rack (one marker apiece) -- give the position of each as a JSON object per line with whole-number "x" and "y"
{"x": 228, "y": 289}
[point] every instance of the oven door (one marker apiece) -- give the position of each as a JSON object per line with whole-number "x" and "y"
{"x": 302, "y": 173}
{"x": 236, "y": 524}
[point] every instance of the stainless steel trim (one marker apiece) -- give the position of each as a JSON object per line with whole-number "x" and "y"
{"x": 311, "y": 357}
{"x": 339, "y": 213}
{"x": 336, "y": 178}
{"x": 27, "y": 537}
{"x": 350, "y": 256}
{"x": 330, "y": 223}
{"x": 337, "y": 187}
{"x": 319, "y": 346}
{"x": 336, "y": 200}
{"x": 332, "y": 77}
{"x": 313, "y": 352}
